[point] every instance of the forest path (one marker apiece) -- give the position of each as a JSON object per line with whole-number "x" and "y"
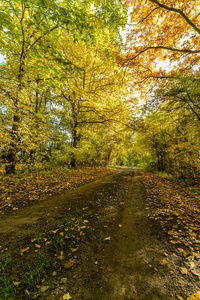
{"x": 131, "y": 267}
{"x": 118, "y": 258}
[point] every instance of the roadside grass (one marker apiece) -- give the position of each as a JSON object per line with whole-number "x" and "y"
{"x": 126, "y": 172}
{"x": 25, "y": 270}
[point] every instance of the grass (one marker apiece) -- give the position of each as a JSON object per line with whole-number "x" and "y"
{"x": 6, "y": 261}
{"x": 126, "y": 172}
{"x": 23, "y": 272}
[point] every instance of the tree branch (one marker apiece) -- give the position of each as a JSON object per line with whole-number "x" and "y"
{"x": 179, "y": 11}
{"x": 165, "y": 48}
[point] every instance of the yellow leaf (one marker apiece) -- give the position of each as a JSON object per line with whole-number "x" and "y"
{"x": 24, "y": 250}
{"x": 54, "y": 231}
{"x": 163, "y": 262}
{"x": 69, "y": 264}
{"x": 67, "y": 297}
{"x": 183, "y": 271}
{"x": 195, "y": 296}
{"x": 74, "y": 250}
{"x": 191, "y": 265}
{"x": 107, "y": 239}
{"x": 120, "y": 225}
{"x": 16, "y": 283}
{"x": 48, "y": 243}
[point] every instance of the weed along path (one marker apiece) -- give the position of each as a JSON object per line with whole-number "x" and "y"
{"x": 96, "y": 242}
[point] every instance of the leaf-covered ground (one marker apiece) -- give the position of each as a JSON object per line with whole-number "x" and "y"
{"x": 19, "y": 190}
{"x": 104, "y": 240}
{"x": 177, "y": 210}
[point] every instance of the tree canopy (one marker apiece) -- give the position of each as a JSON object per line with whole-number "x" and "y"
{"x": 73, "y": 94}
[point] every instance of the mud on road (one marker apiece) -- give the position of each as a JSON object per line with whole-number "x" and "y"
{"x": 119, "y": 256}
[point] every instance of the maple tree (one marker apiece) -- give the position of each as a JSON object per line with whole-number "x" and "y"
{"x": 162, "y": 38}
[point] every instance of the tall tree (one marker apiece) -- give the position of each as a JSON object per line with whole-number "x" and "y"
{"x": 25, "y": 25}
{"x": 92, "y": 93}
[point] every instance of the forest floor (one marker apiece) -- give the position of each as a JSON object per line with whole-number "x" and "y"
{"x": 128, "y": 235}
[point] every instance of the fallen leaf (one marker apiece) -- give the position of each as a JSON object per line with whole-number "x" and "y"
{"x": 120, "y": 225}
{"x": 107, "y": 239}
{"x": 37, "y": 246}
{"x": 48, "y": 243}
{"x": 156, "y": 269}
{"x": 165, "y": 254}
{"x": 67, "y": 296}
{"x": 74, "y": 250}
{"x": 191, "y": 265}
{"x": 163, "y": 262}
{"x": 195, "y": 273}
{"x": 69, "y": 264}
{"x": 183, "y": 271}
{"x": 180, "y": 250}
{"x": 195, "y": 296}
{"x": 179, "y": 297}
{"x": 16, "y": 283}
{"x": 24, "y": 250}
{"x": 173, "y": 242}
{"x": 54, "y": 231}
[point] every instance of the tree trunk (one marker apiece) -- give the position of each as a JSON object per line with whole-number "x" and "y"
{"x": 12, "y": 152}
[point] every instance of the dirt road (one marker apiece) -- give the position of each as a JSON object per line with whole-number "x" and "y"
{"x": 119, "y": 257}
